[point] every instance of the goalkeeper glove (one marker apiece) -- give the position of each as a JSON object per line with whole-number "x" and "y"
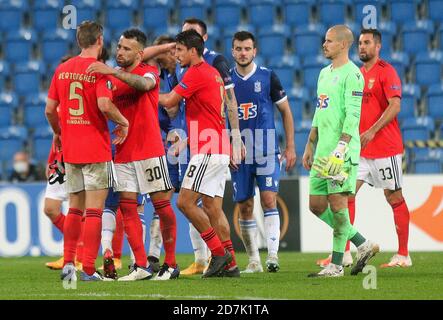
{"x": 336, "y": 159}
{"x": 320, "y": 165}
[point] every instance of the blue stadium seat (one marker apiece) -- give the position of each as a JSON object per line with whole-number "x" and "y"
{"x": 400, "y": 61}
{"x": 428, "y": 161}
{"x": 27, "y": 77}
{"x": 272, "y": 40}
{"x": 120, "y": 14}
{"x": 45, "y": 15}
{"x": 261, "y": 12}
{"x": 435, "y": 9}
{"x": 34, "y": 110}
{"x": 11, "y": 15}
{"x": 302, "y": 129}
{"x": 42, "y": 142}
{"x": 18, "y": 47}
{"x": 416, "y": 36}
{"x": 358, "y": 9}
{"x": 4, "y": 73}
{"x": 402, "y": 11}
{"x": 86, "y": 9}
{"x": 214, "y": 34}
{"x": 409, "y": 101}
{"x": 193, "y": 8}
{"x": 229, "y": 32}
{"x": 228, "y": 12}
{"x": 417, "y": 128}
{"x": 8, "y": 105}
{"x": 297, "y": 98}
{"x": 440, "y": 36}
{"x": 387, "y": 29}
{"x": 55, "y": 3}
{"x": 285, "y": 67}
{"x": 311, "y": 69}
{"x": 155, "y": 14}
{"x": 172, "y": 31}
{"x": 54, "y": 46}
{"x": 435, "y": 102}
{"x": 308, "y": 39}
{"x": 297, "y": 12}
{"x": 332, "y": 12}
{"x": 428, "y": 68}
{"x": 12, "y": 140}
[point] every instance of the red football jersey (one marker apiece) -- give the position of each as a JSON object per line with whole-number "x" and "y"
{"x": 144, "y": 140}
{"x": 381, "y": 83}
{"x": 203, "y": 89}
{"x": 85, "y": 134}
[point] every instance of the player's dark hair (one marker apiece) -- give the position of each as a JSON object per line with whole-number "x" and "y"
{"x": 163, "y": 39}
{"x": 104, "y": 56}
{"x": 66, "y": 58}
{"x": 375, "y": 33}
{"x": 87, "y": 33}
{"x": 197, "y": 21}
{"x": 191, "y": 39}
{"x": 136, "y": 34}
{"x": 242, "y": 36}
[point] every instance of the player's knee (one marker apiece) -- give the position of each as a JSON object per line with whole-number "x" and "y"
{"x": 246, "y": 211}
{"x": 51, "y": 211}
{"x": 316, "y": 208}
{"x": 394, "y": 197}
{"x": 182, "y": 204}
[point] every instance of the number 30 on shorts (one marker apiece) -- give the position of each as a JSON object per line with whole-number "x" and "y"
{"x": 154, "y": 174}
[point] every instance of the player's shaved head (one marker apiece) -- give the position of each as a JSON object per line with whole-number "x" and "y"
{"x": 343, "y": 33}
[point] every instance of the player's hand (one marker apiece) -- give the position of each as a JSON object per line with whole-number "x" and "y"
{"x": 99, "y": 67}
{"x": 336, "y": 159}
{"x": 319, "y": 165}
{"x": 308, "y": 157}
{"x": 120, "y": 134}
{"x": 366, "y": 136}
{"x": 238, "y": 153}
{"x": 57, "y": 142}
{"x": 290, "y": 156}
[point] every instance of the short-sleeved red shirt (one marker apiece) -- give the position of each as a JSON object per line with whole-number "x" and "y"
{"x": 203, "y": 90}
{"x": 144, "y": 140}
{"x": 381, "y": 83}
{"x": 85, "y": 135}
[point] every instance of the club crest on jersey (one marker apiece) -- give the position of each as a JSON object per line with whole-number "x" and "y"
{"x": 322, "y": 101}
{"x": 257, "y": 86}
{"x": 109, "y": 84}
{"x": 247, "y": 111}
{"x": 371, "y": 83}
{"x": 269, "y": 181}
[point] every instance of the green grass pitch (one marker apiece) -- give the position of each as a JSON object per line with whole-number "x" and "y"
{"x": 27, "y": 278}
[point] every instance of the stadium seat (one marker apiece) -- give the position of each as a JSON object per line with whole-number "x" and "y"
{"x": 4, "y": 73}
{"x": 172, "y": 31}
{"x": 440, "y": 36}
{"x": 213, "y": 36}
{"x": 272, "y": 40}
{"x": 229, "y": 32}
{"x": 27, "y": 77}
{"x": 308, "y": 39}
{"x": 119, "y": 14}
{"x": 428, "y": 161}
{"x": 311, "y": 69}
{"x": 86, "y": 9}
{"x": 42, "y": 141}
{"x": 359, "y": 6}
{"x": 435, "y": 102}
{"x": 54, "y": 46}
{"x": 417, "y": 128}
{"x": 285, "y": 67}
{"x": 332, "y": 12}
{"x": 12, "y": 140}
{"x": 11, "y": 15}
{"x": 402, "y": 11}
{"x": 45, "y": 15}
{"x": 400, "y": 61}
{"x": 416, "y": 36}
{"x": 261, "y": 12}
{"x": 302, "y": 129}
{"x": 435, "y": 9}
{"x": 228, "y": 12}
{"x": 297, "y": 12}
{"x": 193, "y": 8}
{"x": 409, "y": 101}
{"x": 34, "y": 110}
{"x": 155, "y": 14}
{"x": 8, "y": 105}
{"x": 297, "y": 98}
{"x": 387, "y": 29}
{"x": 428, "y": 68}
{"x": 19, "y": 45}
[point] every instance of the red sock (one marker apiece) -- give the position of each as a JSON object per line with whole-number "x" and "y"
{"x": 228, "y": 246}
{"x": 401, "y": 219}
{"x": 134, "y": 230}
{"x": 59, "y": 222}
{"x": 92, "y": 238}
{"x": 117, "y": 240}
{"x": 80, "y": 242}
{"x": 351, "y": 208}
{"x": 71, "y": 234}
{"x": 168, "y": 227}
{"x": 213, "y": 242}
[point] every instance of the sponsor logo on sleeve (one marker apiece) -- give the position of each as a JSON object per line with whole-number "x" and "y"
{"x": 357, "y": 94}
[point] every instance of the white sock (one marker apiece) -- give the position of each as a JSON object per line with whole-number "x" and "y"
{"x": 248, "y": 229}
{"x": 108, "y": 229}
{"x": 155, "y": 235}
{"x": 272, "y": 231}
{"x": 199, "y": 245}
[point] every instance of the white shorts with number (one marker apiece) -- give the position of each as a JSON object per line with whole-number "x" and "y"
{"x": 56, "y": 191}
{"x": 143, "y": 176}
{"x": 385, "y": 173}
{"x": 90, "y": 176}
{"x": 206, "y": 174}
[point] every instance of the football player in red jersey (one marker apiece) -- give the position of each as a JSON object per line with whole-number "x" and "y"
{"x": 381, "y": 141}
{"x": 141, "y": 166}
{"x": 85, "y": 105}
{"x": 203, "y": 91}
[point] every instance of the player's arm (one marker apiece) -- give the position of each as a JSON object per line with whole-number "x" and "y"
{"x": 152, "y": 51}
{"x": 112, "y": 113}
{"x": 170, "y": 101}
{"x": 52, "y": 116}
{"x": 308, "y": 155}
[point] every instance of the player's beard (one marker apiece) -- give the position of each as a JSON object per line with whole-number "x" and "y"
{"x": 365, "y": 57}
{"x": 244, "y": 65}
{"x": 124, "y": 63}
